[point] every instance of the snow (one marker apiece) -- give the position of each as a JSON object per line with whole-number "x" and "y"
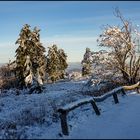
{"x": 73, "y": 104}
{"x": 116, "y": 121}
{"x": 103, "y": 97}
{"x": 35, "y": 116}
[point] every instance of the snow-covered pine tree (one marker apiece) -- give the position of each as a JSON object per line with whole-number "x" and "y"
{"x": 56, "y": 63}
{"x": 52, "y": 63}
{"x": 39, "y": 58}
{"x": 87, "y": 63}
{"x": 22, "y": 55}
{"x": 62, "y": 63}
{"x": 30, "y": 58}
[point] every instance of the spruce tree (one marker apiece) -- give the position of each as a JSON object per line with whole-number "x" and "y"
{"x": 30, "y": 58}
{"x": 38, "y": 59}
{"x": 23, "y": 68}
{"x": 52, "y": 63}
{"x": 56, "y": 63}
{"x": 87, "y": 63}
{"x": 62, "y": 62}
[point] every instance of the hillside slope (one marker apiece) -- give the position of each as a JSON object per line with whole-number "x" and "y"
{"x": 35, "y": 116}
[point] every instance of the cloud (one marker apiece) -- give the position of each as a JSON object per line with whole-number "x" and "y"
{"x": 74, "y": 46}
{"x": 84, "y": 20}
{"x": 7, "y": 51}
{"x": 6, "y": 44}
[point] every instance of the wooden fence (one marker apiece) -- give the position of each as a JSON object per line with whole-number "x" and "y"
{"x": 92, "y": 100}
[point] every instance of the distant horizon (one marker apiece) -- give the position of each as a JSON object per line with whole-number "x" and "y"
{"x": 71, "y": 25}
{"x": 67, "y": 62}
{"x": 72, "y": 66}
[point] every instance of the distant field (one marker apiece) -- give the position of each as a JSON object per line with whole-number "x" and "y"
{"x": 2, "y": 64}
{"x": 74, "y": 66}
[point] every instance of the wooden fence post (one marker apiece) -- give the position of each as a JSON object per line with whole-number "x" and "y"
{"x": 95, "y": 107}
{"x": 64, "y": 125}
{"x": 115, "y": 98}
{"x": 123, "y": 92}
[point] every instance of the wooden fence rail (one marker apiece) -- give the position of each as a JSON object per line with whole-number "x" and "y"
{"x": 66, "y": 109}
{"x": 92, "y": 100}
{"x": 113, "y": 93}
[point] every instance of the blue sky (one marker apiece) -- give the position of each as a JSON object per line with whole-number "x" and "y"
{"x": 72, "y": 25}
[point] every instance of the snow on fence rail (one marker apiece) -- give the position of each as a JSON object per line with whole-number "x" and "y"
{"x": 64, "y": 111}
{"x": 132, "y": 86}
{"x": 111, "y": 93}
{"x": 69, "y": 107}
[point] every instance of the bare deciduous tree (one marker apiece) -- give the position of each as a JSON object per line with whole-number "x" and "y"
{"x": 123, "y": 43}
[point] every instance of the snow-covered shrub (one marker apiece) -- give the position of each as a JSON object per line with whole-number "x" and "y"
{"x": 75, "y": 75}
{"x": 7, "y": 77}
{"x": 30, "y": 116}
{"x": 104, "y": 75}
{"x": 96, "y": 86}
{"x": 8, "y": 129}
{"x": 8, "y": 83}
{"x": 11, "y": 130}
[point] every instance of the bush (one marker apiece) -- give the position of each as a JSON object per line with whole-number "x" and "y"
{"x": 7, "y": 78}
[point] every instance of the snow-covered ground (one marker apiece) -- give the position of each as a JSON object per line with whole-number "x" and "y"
{"x": 35, "y": 116}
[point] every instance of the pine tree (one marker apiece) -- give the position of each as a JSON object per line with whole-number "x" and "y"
{"x": 87, "y": 63}
{"x": 62, "y": 62}
{"x": 30, "y": 58}
{"x": 56, "y": 63}
{"x": 23, "y": 68}
{"x": 38, "y": 59}
{"x": 52, "y": 63}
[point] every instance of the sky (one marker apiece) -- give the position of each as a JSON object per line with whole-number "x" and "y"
{"x": 71, "y": 25}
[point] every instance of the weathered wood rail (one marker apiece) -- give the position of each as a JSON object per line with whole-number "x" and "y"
{"x": 132, "y": 86}
{"x": 113, "y": 93}
{"x": 92, "y": 100}
{"x": 66, "y": 109}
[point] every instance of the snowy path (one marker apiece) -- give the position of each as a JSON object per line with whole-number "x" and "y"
{"x": 35, "y": 117}
{"x": 116, "y": 121}
{"x": 119, "y": 121}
